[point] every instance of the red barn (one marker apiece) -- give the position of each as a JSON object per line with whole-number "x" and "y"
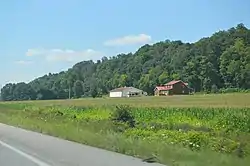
{"x": 176, "y": 87}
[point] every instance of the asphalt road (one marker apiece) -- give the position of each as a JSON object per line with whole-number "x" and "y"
{"x": 11, "y": 158}
{"x": 20, "y": 147}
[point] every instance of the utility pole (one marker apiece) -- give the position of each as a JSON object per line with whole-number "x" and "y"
{"x": 69, "y": 92}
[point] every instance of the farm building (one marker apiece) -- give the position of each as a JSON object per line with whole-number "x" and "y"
{"x": 176, "y": 87}
{"x": 126, "y": 92}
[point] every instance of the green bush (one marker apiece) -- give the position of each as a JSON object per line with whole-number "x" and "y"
{"x": 122, "y": 114}
{"x": 232, "y": 90}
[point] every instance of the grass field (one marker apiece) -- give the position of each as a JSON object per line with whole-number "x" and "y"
{"x": 178, "y": 130}
{"x": 208, "y": 100}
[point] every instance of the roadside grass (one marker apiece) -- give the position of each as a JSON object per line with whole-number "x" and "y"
{"x": 199, "y": 117}
{"x": 84, "y": 132}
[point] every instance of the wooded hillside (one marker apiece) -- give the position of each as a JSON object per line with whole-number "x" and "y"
{"x": 220, "y": 61}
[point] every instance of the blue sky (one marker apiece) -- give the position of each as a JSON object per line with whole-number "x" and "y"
{"x": 42, "y": 36}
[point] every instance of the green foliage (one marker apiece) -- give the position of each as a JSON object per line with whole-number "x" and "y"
{"x": 194, "y": 141}
{"x": 219, "y": 61}
{"x": 122, "y": 115}
{"x": 218, "y": 131}
{"x": 94, "y": 92}
{"x": 232, "y": 90}
{"x": 19, "y": 91}
{"x": 78, "y": 89}
{"x": 214, "y": 89}
{"x": 225, "y": 130}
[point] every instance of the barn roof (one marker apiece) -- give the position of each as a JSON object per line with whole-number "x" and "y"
{"x": 163, "y": 88}
{"x": 125, "y": 88}
{"x": 175, "y": 81}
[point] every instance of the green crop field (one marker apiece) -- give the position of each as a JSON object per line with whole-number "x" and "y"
{"x": 178, "y": 130}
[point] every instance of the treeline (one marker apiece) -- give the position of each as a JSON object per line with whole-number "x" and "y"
{"x": 218, "y": 62}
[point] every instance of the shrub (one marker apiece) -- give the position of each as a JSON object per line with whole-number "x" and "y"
{"x": 214, "y": 89}
{"x": 122, "y": 115}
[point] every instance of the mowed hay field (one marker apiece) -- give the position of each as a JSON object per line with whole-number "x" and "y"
{"x": 206, "y": 100}
{"x": 208, "y": 130}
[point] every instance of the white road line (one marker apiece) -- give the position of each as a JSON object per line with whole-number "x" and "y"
{"x": 31, "y": 158}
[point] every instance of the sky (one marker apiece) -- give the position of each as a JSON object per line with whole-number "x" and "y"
{"x": 42, "y": 36}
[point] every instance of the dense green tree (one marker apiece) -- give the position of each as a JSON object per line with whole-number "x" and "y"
{"x": 78, "y": 89}
{"x": 19, "y": 91}
{"x": 234, "y": 67}
{"x": 7, "y": 92}
{"x": 212, "y": 63}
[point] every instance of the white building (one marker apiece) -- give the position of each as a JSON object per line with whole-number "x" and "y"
{"x": 126, "y": 92}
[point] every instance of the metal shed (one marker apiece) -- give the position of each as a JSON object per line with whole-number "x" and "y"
{"x": 125, "y": 92}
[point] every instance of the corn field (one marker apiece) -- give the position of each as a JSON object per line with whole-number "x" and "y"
{"x": 225, "y": 130}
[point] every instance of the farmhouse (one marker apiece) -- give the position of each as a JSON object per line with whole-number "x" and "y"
{"x": 126, "y": 92}
{"x": 176, "y": 87}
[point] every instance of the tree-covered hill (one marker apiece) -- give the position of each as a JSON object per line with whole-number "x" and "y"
{"x": 219, "y": 61}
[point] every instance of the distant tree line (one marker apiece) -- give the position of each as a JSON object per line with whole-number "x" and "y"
{"x": 221, "y": 61}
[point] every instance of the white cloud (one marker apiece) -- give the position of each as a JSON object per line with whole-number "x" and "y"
{"x": 36, "y": 51}
{"x": 65, "y": 55}
{"x": 21, "y": 62}
{"x": 129, "y": 40}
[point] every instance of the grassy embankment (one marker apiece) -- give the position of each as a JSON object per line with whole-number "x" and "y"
{"x": 178, "y": 130}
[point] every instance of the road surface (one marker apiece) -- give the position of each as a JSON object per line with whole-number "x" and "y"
{"x": 20, "y": 147}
